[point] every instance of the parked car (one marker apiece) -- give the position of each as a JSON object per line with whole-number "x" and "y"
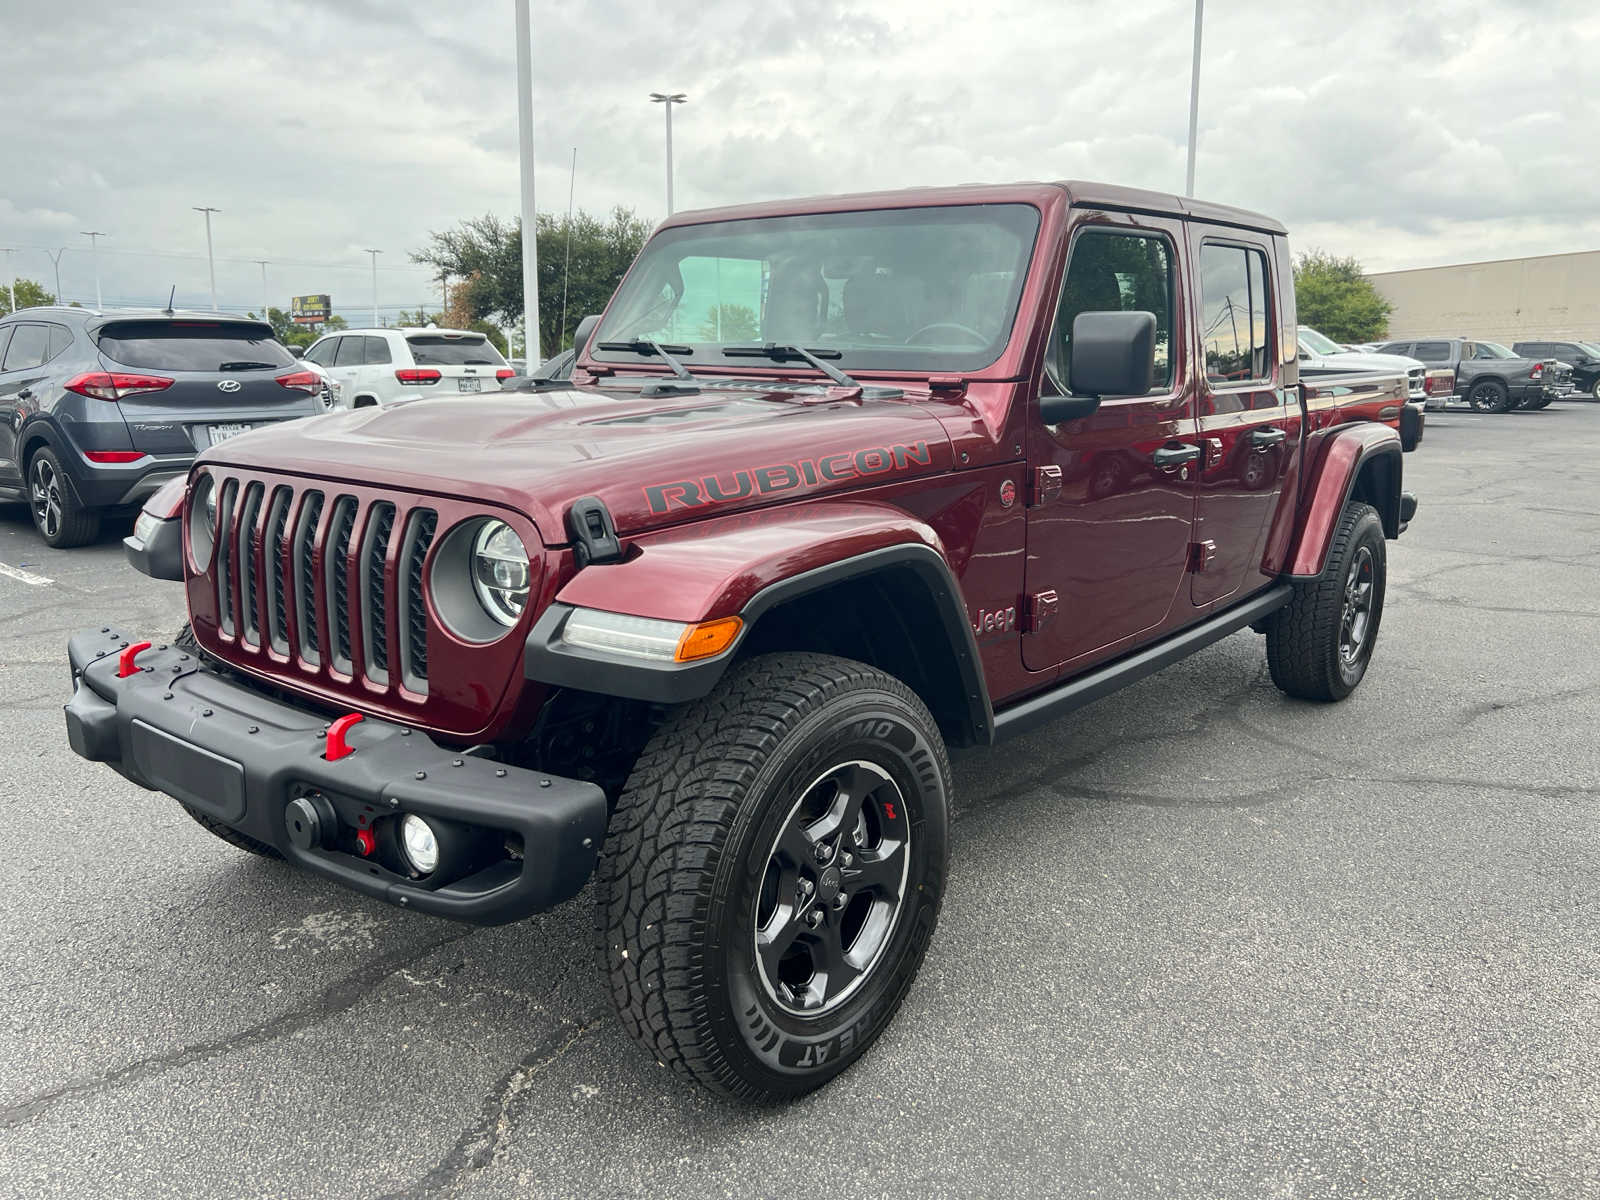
{"x": 1485, "y": 374}
{"x": 1582, "y": 357}
{"x": 702, "y": 622}
{"x": 98, "y": 410}
{"x": 1321, "y": 355}
{"x": 381, "y": 366}
{"x": 331, "y": 393}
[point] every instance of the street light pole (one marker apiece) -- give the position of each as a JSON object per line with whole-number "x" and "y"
{"x": 530, "y": 216}
{"x": 374, "y": 254}
{"x": 263, "y": 263}
{"x": 1194, "y": 97}
{"x": 211, "y": 263}
{"x": 668, "y": 99}
{"x": 94, "y": 236}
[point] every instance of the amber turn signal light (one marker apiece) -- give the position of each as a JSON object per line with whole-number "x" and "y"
{"x": 707, "y": 639}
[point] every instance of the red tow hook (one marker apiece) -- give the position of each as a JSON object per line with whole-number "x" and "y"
{"x": 125, "y": 665}
{"x": 337, "y": 747}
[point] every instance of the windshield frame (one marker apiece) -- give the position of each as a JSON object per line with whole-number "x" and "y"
{"x": 1029, "y": 219}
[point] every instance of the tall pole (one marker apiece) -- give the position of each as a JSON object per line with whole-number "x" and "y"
{"x": 530, "y": 218}
{"x": 263, "y": 263}
{"x": 211, "y": 263}
{"x": 374, "y": 254}
{"x": 566, "y": 270}
{"x": 56, "y": 259}
{"x": 1194, "y": 97}
{"x": 11, "y": 272}
{"x": 94, "y": 236}
{"x": 668, "y": 99}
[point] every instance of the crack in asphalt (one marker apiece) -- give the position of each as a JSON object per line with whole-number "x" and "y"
{"x": 479, "y": 1144}
{"x": 340, "y": 996}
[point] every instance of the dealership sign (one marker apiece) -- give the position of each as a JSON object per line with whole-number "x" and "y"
{"x": 310, "y": 310}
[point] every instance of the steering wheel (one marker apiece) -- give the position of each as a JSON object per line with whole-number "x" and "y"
{"x": 978, "y": 339}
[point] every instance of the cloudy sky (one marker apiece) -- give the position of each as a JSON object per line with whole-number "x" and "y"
{"x": 1407, "y": 134}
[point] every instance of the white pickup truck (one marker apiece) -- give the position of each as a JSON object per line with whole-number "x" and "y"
{"x": 1321, "y": 356}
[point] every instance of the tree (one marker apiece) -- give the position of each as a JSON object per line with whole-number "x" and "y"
{"x": 484, "y": 255}
{"x": 733, "y": 323}
{"x": 29, "y": 295}
{"x": 1337, "y": 300}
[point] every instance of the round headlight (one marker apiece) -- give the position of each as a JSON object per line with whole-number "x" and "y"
{"x": 419, "y": 843}
{"x": 202, "y": 520}
{"x": 500, "y": 571}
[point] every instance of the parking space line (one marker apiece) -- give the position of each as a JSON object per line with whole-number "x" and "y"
{"x": 22, "y": 576}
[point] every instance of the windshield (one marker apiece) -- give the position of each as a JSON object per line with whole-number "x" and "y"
{"x": 918, "y": 289}
{"x": 1589, "y": 348}
{"x": 1492, "y": 350}
{"x": 1317, "y": 344}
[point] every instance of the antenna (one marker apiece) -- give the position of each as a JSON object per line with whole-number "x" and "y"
{"x": 566, "y": 271}
{"x": 170, "y": 296}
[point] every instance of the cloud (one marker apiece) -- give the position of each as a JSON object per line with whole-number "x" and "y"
{"x": 1433, "y": 134}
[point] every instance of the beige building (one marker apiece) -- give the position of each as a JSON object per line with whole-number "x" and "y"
{"x": 1513, "y": 299}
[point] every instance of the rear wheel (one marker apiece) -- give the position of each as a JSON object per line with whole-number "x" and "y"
{"x": 1489, "y": 395}
{"x": 1594, "y": 388}
{"x": 61, "y": 521}
{"x": 773, "y": 874}
{"x": 1319, "y": 644}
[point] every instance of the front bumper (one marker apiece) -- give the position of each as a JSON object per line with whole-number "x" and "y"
{"x": 242, "y": 758}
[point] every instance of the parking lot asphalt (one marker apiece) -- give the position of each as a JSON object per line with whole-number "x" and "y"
{"x": 1200, "y": 940}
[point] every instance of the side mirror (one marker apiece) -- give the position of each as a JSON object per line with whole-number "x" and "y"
{"x": 1113, "y": 354}
{"x": 584, "y": 331}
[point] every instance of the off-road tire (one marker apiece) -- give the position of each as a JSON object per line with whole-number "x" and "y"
{"x": 694, "y": 836}
{"x": 1304, "y": 637}
{"x": 64, "y": 522}
{"x": 185, "y": 641}
{"x": 1489, "y": 395}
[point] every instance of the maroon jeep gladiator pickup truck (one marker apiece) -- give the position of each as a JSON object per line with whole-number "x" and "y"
{"x": 837, "y": 483}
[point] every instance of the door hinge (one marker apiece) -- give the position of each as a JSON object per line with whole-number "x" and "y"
{"x": 1037, "y": 610}
{"x": 1044, "y": 485}
{"x": 1201, "y": 554}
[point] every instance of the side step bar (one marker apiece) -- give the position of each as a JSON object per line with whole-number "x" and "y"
{"x": 1102, "y": 681}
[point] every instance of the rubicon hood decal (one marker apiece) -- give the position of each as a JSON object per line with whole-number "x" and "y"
{"x": 727, "y": 487}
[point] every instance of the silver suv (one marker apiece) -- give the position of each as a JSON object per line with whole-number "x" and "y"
{"x": 381, "y": 366}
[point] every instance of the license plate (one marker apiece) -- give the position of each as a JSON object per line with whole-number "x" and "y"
{"x": 221, "y": 433}
{"x": 469, "y": 383}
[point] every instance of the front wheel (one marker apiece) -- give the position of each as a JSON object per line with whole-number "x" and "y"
{"x": 1594, "y": 388}
{"x": 1319, "y": 644}
{"x": 773, "y": 873}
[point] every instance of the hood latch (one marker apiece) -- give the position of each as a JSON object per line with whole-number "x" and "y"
{"x": 594, "y": 534}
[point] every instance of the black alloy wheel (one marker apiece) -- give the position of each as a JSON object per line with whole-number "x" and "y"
{"x": 831, "y": 893}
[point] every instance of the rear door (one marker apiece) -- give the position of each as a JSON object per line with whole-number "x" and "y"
{"x": 202, "y": 381}
{"x": 466, "y": 362}
{"x": 1112, "y": 509}
{"x": 1250, "y": 422}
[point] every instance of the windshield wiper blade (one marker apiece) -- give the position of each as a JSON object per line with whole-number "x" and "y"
{"x": 665, "y": 353}
{"x": 781, "y": 353}
{"x": 245, "y": 366}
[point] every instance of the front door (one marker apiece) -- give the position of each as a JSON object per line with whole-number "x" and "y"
{"x": 1111, "y": 509}
{"x": 1249, "y": 422}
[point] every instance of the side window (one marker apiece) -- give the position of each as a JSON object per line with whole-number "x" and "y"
{"x": 352, "y": 352}
{"x": 377, "y": 351}
{"x": 60, "y": 339}
{"x": 1397, "y": 348}
{"x": 1432, "y": 352}
{"x": 30, "y": 347}
{"x": 1234, "y": 332}
{"x": 1111, "y": 271}
{"x": 322, "y": 352}
{"x": 5, "y": 340}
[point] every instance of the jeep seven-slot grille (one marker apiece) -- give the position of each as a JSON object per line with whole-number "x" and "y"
{"x": 307, "y": 572}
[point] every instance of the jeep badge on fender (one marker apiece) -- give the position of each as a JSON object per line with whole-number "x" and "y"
{"x": 700, "y": 624}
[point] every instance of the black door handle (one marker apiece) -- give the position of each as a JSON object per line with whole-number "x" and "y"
{"x": 1266, "y": 436}
{"x": 1175, "y": 456}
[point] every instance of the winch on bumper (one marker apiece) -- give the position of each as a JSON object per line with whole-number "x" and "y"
{"x": 509, "y": 841}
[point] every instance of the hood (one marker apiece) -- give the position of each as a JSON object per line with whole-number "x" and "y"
{"x": 653, "y": 460}
{"x": 1361, "y": 361}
